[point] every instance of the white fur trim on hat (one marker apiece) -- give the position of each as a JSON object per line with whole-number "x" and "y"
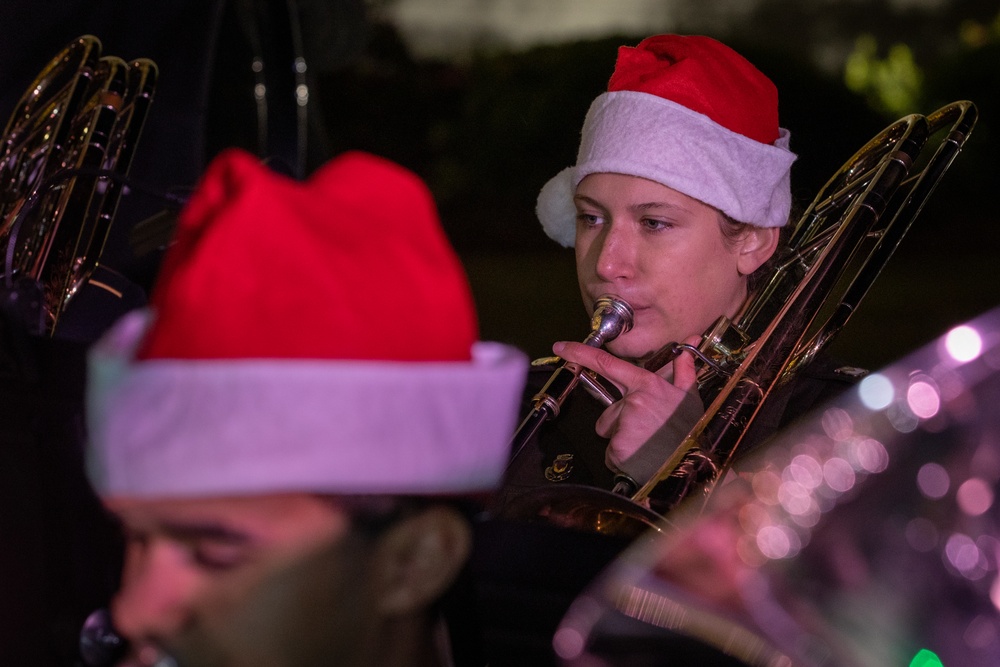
{"x": 236, "y": 427}
{"x": 638, "y": 134}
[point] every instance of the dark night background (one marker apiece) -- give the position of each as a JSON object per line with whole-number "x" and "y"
{"x": 485, "y": 129}
{"x": 486, "y": 135}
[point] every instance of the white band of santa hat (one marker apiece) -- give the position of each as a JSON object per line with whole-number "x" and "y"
{"x": 315, "y": 337}
{"x": 690, "y": 113}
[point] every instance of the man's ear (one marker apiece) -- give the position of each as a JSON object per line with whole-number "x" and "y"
{"x": 756, "y": 247}
{"x": 419, "y": 557}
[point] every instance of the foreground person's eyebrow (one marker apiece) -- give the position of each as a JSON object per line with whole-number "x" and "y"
{"x": 190, "y": 530}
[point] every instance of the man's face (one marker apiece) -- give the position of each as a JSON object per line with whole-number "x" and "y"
{"x": 661, "y": 251}
{"x": 275, "y": 580}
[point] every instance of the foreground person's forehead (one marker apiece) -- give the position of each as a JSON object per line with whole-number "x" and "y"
{"x": 281, "y": 512}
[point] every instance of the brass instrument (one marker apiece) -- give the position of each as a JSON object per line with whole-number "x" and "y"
{"x": 66, "y": 150}
{"x": 835, "y": 252}
{"x": 611, "y": 318}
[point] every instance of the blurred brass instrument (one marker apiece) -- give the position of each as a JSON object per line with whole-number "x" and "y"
{"x": 835, "y": 252}
{"x": 65, "y": 152}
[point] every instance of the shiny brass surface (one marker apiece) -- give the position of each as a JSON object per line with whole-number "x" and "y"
{"x": 611, "y": 318}
{"x": 64, "y": 155}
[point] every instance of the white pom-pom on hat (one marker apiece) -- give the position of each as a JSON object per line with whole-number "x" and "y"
{"x": 555, "y": 208}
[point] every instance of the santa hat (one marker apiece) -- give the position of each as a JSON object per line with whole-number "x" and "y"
{"x": 313, "y": 336}
{"x": 692, "y": 114}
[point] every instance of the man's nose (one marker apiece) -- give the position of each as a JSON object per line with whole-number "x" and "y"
{"x": 156, "y": 596}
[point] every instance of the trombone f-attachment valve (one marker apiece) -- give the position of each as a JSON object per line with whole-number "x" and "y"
{"x": 612, "y": 317}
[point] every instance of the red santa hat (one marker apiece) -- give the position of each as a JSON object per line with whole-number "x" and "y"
{"x": 692, "y": 114}
{"x": 311, "y": 336}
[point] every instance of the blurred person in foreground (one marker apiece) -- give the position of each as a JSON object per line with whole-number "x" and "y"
{"x": 293, "y": 433}
{"x": 677, "y": 203}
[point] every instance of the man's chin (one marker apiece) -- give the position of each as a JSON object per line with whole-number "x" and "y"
{"x": 148, "y": 655}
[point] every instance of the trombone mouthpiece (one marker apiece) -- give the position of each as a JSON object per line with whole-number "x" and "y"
{"x": 612, "y": 317}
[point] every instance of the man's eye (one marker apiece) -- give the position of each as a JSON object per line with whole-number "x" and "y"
{"x": 135, "y": 540}
{"x": 219, "y": 555}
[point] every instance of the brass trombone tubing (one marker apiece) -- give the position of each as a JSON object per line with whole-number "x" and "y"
{"x": 784, "y": 344}
{"x": 612, "y": 317}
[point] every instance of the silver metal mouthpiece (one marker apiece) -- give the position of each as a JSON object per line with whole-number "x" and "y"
{"x": 612, "y": 317}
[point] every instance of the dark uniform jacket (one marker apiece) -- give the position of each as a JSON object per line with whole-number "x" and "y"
{"x": 528, "y": 566}
{"x": 566, "y": 450}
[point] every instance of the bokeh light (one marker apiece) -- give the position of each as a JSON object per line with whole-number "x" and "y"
{"x": 870, "y": 455}
{"x": 964, "y": 555}
{"x": 981, "y": 633}
{"x": 974, "y": 496}
{"x": 777, "y": 542}
{"x": 765, "y": 486}
{"x": 902, "y": 418}
{"x": 923, "y": 398}
{"x": 876, "y": 391}
{"x": 933, "y": 480}
{"x": 568, "y": 643}
{"x": 837, "y": 423}
{"x": 963, "y": 343}
{"x": 806, "y": 471}
{"x": 839, "y": 475}
{"x": 925, "y": 658}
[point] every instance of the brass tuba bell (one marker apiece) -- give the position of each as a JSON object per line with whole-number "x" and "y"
{"x": 64, "y": 157}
